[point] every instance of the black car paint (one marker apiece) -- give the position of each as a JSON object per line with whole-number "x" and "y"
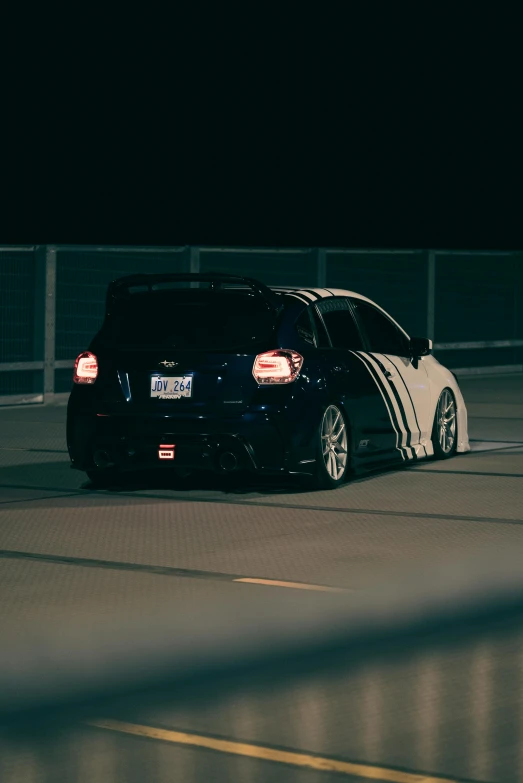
{"x": 272, "y": 429}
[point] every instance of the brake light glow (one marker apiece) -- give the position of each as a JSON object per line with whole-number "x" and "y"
{"x": 85, "y": 368}
{"x": 279, "y": 366}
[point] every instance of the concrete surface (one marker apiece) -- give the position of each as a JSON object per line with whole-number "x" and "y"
{"x": 457, "y": 714}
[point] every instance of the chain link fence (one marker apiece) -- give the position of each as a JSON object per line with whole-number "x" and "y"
{"x": 52, "y": 300}
{"x": 21, "y": 309}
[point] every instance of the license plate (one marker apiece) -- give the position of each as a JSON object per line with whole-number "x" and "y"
{"x": 171, "y": 387}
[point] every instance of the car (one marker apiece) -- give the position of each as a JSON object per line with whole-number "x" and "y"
{"x": 221, "y": 372}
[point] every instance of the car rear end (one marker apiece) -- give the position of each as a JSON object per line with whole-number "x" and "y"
{"x": 186, "y": 378}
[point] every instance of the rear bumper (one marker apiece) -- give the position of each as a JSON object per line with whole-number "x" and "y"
{"x": 256, "y": 440}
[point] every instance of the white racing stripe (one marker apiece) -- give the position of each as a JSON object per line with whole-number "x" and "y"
{"x": 408, "y": 406}
{"x": 396, "y": 405}
{"x": 386, "y": 397}
{"x": 309, "y": 294}
{"x": 319, "y": 293}
{"x": 296, "y": 294}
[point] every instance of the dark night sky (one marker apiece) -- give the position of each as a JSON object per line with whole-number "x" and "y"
{"x": 379, "y": 144}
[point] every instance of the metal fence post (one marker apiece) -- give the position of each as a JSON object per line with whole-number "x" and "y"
{"x": 321, "y": 267}
{"x": 39, "y": 316}
{"x": 518, "y": 291}
{"x": 194, "y": 263}
{"x": 431, "y": 294}
{"x": 517, "y": 330}
{"x": 50, "y": 323}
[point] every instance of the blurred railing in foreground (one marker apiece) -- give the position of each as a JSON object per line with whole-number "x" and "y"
{"x": 422, "y": 675}
{"x": 52, "y": 300}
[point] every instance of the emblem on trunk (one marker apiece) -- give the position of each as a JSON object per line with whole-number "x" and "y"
{"x": 168, "y": 364}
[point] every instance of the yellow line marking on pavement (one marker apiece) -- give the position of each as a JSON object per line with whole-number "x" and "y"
{"x": 297, "y": 585}
{"x": 294, "y": 758}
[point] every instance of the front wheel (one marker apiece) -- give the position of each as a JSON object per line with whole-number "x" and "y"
{"x": 332, "y": 462}
{"x": 444, "y": 430}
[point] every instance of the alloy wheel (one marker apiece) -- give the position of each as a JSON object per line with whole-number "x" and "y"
{"x": 446, "y": 421}
{"x": 334, "y": 442}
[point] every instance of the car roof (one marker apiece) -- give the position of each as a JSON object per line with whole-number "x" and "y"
{"x": 310, "y": 295}
{"x": 313, "y": 294}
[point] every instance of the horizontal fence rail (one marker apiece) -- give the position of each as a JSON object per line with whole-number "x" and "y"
{"x": 52, "y": 300}
{"x": 479, "y": 344}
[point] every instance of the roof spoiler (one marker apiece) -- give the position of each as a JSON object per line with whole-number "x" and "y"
{"x": 120, "y": 288}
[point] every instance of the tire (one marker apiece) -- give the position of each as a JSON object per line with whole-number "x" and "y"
{"x": 102, "y": 479}
{"x": 332, "y": 450}
{"x": 445, "y": 427}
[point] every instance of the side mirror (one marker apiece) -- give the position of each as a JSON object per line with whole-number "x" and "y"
{"x": 420, "y": 346}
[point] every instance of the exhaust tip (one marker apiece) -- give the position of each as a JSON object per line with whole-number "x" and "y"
{"x": 228, "y": 461}
{"x": 102, "y": 459}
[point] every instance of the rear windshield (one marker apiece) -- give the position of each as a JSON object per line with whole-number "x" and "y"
{"x": 192, "y": 320}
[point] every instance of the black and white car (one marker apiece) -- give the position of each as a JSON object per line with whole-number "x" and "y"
{"x": 233, "y": 375}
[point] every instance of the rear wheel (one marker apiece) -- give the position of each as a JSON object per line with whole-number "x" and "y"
{"x": 444, "y": 431}
{"x": 332, "y": 462}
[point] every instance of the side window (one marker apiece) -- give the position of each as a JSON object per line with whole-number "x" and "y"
{"x": 382, "y": 334}
{"x": 322, "y": 338}
{"x": 304, "y": 327}
{"x": 340, "y": 324}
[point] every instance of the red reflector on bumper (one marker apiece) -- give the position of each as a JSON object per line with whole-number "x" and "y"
{"x": 166, "y": 451}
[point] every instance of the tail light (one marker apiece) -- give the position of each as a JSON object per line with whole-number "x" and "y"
{"x": 85, "y": 368}
{"x": 280, "y": 366}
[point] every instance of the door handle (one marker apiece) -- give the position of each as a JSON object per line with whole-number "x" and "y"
{"x": 390, "y": 374}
